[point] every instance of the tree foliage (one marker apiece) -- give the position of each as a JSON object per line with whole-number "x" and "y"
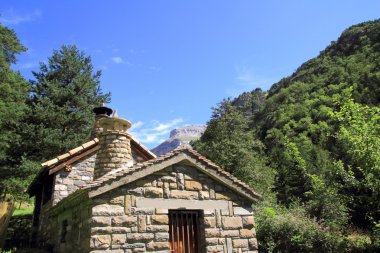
{"x": 229, "y": 142}
{"x": 358, "y": 137}
{"x": 320, "y": 133}
{"x": 63, "y": 94}
{"x": 45, "y": 117}
{"x": 13, "y": 98}
{"x": 299, "y": 110}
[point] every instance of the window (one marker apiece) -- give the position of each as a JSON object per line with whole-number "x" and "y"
{"x": 64, "y": 226}
{"x": 184, "y": 231}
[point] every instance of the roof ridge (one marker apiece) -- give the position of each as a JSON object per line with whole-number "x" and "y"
{"x": 71, "y": 152}
{"x": 211, "y": 163}
{"x": 87, "y": 145}
{"x": 121, "y": 172}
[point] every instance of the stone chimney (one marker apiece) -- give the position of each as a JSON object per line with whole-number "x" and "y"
{"x": 114, "y": 145}
{"x": 101, "y": 112}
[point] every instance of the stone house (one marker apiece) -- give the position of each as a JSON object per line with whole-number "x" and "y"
{"x": 113, "y": 195}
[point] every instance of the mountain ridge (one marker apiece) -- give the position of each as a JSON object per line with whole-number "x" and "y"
{"x": 178, "y": 137}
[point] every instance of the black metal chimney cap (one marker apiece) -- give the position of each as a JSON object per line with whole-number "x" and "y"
{"x": 102, "y": 110}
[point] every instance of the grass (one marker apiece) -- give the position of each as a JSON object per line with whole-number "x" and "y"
{"x": 23, "y": 211}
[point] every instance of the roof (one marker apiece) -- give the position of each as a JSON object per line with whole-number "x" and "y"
{"x": 54, "y": 165}
{"x": 122, "y": 176}
{"x": 90, "y": 144}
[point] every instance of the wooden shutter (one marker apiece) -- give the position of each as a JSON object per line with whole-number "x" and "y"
{"x": 184, "y": 231}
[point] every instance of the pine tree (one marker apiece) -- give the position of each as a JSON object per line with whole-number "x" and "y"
{"x": 64, "y": 92}
{"x": 13, "y": 96}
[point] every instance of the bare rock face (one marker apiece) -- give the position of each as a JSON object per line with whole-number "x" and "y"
{"x": 179, "y": 137}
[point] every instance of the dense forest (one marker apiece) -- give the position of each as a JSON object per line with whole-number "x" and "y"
{"x": 311, "y": 146}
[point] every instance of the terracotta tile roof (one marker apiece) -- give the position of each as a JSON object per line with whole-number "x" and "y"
{"x": 70, "y": 153}
{"x": 125, "y": 171}
{"x": 91, "y": 144}
{"x": 55, "y": 163}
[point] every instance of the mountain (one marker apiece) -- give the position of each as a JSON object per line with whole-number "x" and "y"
{"x": 179, "y": 136}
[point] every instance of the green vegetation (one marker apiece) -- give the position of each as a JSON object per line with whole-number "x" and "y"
{"x": 62, "y": 98}
{"x": 23, "y": 211}
{"x": 310, "y": 145}
{"x": 45, "y": 117}
{"x": 13, "y": 107}
{"x": 40, "y": 119}
{"x": 316, "y": 136}
{"x": 19, "y": 231}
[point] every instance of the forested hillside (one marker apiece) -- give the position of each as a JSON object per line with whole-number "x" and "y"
{"x": 311, "y": 145}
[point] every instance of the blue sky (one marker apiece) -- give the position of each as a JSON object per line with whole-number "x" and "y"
{"x": 167, "y": 63}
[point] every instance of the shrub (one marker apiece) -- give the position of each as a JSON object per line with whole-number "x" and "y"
{"x": 284, "y": 230}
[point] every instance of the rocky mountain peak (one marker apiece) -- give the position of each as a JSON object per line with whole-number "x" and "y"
{"x": 178, "y": 137}
{"x": 189, "y": 131}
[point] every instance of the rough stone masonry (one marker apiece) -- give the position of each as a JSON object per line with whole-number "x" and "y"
{"x": 133, "y": 217}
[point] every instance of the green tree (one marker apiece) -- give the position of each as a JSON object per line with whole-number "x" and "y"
{"x": 299, "y": 108}
{"x": 292, "y": 179}
{"x": 359, "y": 140}
{"x": 64, "y": 92}
{"x": 13, "y": 97}
{"x": 229, "y": 142}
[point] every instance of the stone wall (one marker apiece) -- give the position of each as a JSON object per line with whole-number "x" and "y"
{"x": 68, "y": 181}
{"x": 79, "y": 174}
{"x": 76, "y": 220}
{"x": 134, "y": 218}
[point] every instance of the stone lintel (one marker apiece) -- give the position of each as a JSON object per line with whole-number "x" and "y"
{"x": 182, "y": 203}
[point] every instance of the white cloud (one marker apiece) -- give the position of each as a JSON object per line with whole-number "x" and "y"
{"x": 137, "y": 124}
{"x": 11, "y": 18}
{"x": 166, "y": 126}
{"x": 154, "y": 132}
{"x": 119, "y": 60}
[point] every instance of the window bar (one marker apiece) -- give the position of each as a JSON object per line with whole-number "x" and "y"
{"x": 188, "y": 234}
{"x": 178, "y": 242}
{"x": 196, "y": 231}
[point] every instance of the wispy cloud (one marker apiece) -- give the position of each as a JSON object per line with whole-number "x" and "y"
{"x": 246, "y": 79}
{"x": 136, "y": 51}
{"x": 103, "y": 67}
{"x": 9, "y": 17}
{"x": 154, "y": 68}
{"x": 137, "y": 125}
{"x": 245, "y": 76}
{"x": 119, "y": 60}
{"x": 154, "y": 132}
{"x": 29, "y": 65}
